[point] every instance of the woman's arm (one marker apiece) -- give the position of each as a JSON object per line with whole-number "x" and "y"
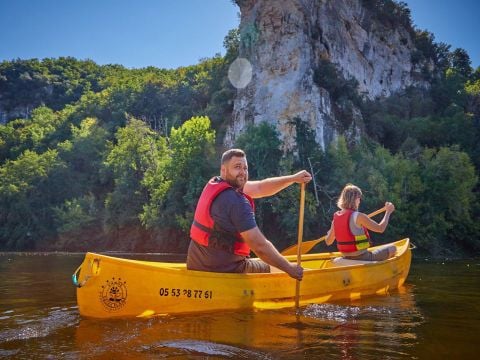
{"x": 330, "y": 236}
{"x": 365, "y": 221}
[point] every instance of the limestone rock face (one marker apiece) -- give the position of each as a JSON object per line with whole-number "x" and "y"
{"x": 285, "y": 41}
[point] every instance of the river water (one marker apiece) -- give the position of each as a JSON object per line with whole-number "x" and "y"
{"x": 436, "y": 315}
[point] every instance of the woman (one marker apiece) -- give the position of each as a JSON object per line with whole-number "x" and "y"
{"x": 350, "y": 228}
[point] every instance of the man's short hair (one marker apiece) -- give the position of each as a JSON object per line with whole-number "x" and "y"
{"x": 227, "y": 155}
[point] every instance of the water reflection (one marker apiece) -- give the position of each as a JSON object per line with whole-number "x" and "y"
{"x": 380, "y": 327}
{"x": 435, "y": 315}
{"x": 371, "y": 329}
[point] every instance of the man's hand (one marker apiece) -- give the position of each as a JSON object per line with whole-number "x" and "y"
{"x": 271, "y": 186}
{"x": 267, "y": 252}
{"x": 296, "y": 272}
{"x": 302, "y": 177}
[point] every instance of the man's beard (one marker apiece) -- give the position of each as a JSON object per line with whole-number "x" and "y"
{"x": 235, "y": 183}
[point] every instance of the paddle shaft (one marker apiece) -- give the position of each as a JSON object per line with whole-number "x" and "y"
{"x": 299, "y": 241}
{"x": 305, "y": 247}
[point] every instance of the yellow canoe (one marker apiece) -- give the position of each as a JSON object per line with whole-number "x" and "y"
{"x": 114, "y": 287}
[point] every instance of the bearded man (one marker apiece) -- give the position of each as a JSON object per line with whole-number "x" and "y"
{"x": 224, "y": 229}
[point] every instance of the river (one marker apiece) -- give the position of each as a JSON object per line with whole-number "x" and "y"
{"x": 435, "y": 315}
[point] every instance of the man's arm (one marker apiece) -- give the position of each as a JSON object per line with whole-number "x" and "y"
{"x": 267, "y": 252}
{"x": 271, "y": 186}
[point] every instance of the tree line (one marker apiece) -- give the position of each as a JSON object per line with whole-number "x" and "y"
{"x": 115, "y": 158}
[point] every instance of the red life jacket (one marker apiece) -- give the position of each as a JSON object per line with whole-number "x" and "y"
{"x": 203, "y": 224}
{"x": 346, "y": 241}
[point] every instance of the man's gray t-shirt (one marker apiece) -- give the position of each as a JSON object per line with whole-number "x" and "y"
{"x": 232, "y": 212}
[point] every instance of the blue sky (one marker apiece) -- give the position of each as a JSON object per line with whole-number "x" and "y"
{"x": 162, "y": 33}
{"x": 173, "y": 33}
{"x": 453, "y": 22}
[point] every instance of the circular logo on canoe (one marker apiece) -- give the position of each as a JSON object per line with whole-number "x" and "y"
{"x": 114, "y": 294}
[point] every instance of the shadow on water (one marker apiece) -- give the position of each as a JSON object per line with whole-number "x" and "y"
{"x": 434, "y": 315}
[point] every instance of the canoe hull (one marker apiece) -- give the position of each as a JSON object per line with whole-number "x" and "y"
{"x": 113, "y": 287}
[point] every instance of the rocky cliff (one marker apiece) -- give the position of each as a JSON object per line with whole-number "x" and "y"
{"x": 286, "y": 41}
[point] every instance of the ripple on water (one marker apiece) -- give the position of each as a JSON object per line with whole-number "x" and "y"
{"x": 341, "y": 313}
{"x": 331, "y": 312}
{"x": 360, "y": 330}
{"x": 8, "y": 353}
{"x": 202, "y": 348}
{"x": 39, "y": 324}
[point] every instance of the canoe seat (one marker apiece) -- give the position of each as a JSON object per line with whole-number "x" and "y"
{"x": 340, "y": 261}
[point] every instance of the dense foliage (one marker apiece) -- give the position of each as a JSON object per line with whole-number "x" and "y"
{"x": 104, "y": 157}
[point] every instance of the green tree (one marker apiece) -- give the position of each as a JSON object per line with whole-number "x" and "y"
{"x": 76, "y": 214}
{"x": 137, "y": 149}
{"x": 27, "y": 191}
{"x": 175, "y": 187}
{"x": 446, "y": 203}
{"x": 85, "y": 183}
{"x": 461, "y": 62}
{"x": 27, "y": 84}
{"x": 231, "y": 43}
{"x": 261, "y": 143}
{"x": 341, "y": 165}
{"x": 277, "y": 216}
{"x": 193, "y": 163}
{"x": 84, "y": 155}
{"x": 36, "y": 134}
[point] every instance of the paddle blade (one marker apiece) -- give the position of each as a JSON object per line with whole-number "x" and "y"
{"x": 305, "y": 247}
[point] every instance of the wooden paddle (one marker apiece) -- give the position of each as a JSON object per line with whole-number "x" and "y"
{"x": 306, "y": 246}
{"x": 299, "y": 241}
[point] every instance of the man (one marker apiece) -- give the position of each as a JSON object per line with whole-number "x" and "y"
{"x": 224, "y": 228}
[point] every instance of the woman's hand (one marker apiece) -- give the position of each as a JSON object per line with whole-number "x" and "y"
{"x": 389, "y": 207}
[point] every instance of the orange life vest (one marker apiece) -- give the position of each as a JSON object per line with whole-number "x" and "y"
{"x": 203, "y": 225}
{"x": 346, "y": 241}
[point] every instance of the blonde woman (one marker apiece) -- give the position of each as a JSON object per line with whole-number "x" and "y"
{"x": 350, "y": 228}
